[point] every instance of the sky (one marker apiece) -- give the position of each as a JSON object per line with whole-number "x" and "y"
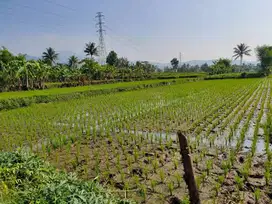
{"x": 152, "y": 30}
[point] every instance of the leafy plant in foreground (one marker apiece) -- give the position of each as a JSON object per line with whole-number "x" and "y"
{"x": 47, "y": 183}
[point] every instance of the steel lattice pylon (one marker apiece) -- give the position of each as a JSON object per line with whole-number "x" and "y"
{"x": 101, "y": 46}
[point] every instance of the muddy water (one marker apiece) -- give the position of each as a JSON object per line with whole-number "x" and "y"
{"x": 221, "y": 135}
{"x": 250, "y": 131}
{"x": 221, "y": 139}
{"x": 266, "y": 105}
{"x": 260, "y": 146}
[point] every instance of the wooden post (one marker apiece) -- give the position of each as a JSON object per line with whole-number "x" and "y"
{"x": 188, "y": 169}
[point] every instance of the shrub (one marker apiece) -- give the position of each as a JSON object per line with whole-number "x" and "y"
{"x": 235, "y": 75}
{"x": 27, "y": 179}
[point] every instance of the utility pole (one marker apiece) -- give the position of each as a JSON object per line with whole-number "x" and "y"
{"x": 101, "y": 46}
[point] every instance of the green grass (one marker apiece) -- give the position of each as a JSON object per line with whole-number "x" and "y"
{"x": 13, "y": 100}
{"x": 55, "y": 91}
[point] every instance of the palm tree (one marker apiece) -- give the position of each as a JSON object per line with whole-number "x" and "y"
{"x": 73, "y": 61}
{"x": 50, "y": 56}
{"x": 90, "y": 49}
{"x": 241, "y": 50}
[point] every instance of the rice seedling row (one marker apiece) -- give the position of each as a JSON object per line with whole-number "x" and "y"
{"x": 229, "y": 124}
{"x": 214, "y": 126}
{"x": 245, "y": 180}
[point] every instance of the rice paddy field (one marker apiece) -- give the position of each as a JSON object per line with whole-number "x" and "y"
{"x": 127, "y": 141}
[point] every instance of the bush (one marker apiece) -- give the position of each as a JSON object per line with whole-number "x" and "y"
{"x": 254, "y": 75}
{"x": 235, "y": 75}
{"x": 223, "y": 76}
{"x": 175, "y": 75}
{"x": 27, "y": 179}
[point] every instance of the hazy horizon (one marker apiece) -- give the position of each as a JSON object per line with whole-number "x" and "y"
{"x": 155, "y": 31}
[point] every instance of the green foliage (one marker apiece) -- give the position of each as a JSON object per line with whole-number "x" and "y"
{"x": 16, "y": 73}
{"x": 50, "y": 56}
{"x": 73, "y": 61}
{"x": 5, "y": 56}
{"x": 91, "y": 49}
{"x": 162, "y": 175}
{"x": 27, "y": 179}
{"x": 221, "y": 66}
{"x": 234, "y": 75}
{"x": 185, "y": 200}
{"x": 91, "y": 69}
{"x": 176, "y": 75}
{"x": 170, "y": 186}
{"x": 153, "y": 184}
{"x": 209, "y": 164}
{"x": 241, "y": 50}
{"x": 239, "y": 182}
{"x": 112, "y": 58}
{"x": 174, "y": 63}
{"x": 264, "y": 55}
{"x": 257, "y": 195}
{"x": 122, "y": 63}
{"x": 216, "y": 188}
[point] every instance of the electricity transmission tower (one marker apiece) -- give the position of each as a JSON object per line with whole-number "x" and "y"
{"x": 101, "y": 45}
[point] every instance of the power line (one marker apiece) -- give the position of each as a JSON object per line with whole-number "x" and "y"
{"x": 60, "y": 5}
{"x": 12, "y": 10}
{"x": 25, "y": 22}
{"x": 121, "y": 42}
{"x": 132, "y": 44}
{"x": 46, "y": 12}
{"x": 36, "y": 10}
{"x": 122, "y": 45}
{"x": 101, "y": 46}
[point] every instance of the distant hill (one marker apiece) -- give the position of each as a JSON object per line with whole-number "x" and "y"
{"x": 29, "y": 57}
{"x": 62, "y": 58}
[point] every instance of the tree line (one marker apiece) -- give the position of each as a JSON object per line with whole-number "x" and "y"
{"x": 18, "y": 73}
{"x": 224, "y": 65}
